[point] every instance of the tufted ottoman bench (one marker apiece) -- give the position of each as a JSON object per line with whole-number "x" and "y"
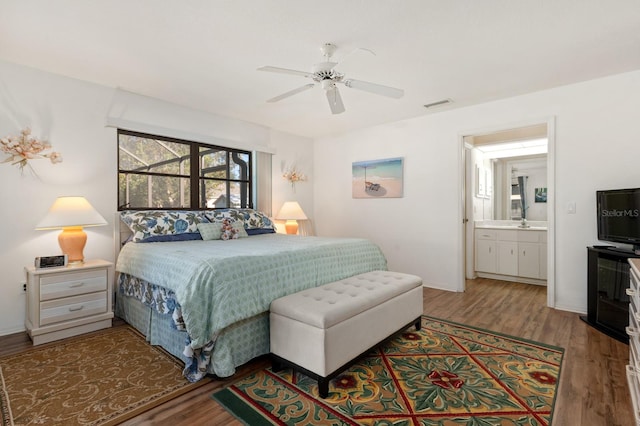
{"x": 319, "y": 331}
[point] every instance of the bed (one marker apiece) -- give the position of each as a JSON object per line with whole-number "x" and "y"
{"x": 199, "y": 284}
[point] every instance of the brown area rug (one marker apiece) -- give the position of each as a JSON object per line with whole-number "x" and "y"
{"x": 101, "y": 379}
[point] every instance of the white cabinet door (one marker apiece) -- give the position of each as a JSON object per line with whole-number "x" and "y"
{"x": 486, "y": 256}
{"x": 529, "y": 260}
{"x": 507, "y": 258}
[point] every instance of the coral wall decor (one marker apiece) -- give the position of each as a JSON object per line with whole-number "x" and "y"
{"x": 24, "y": 147}
{"x": 293, "y": 175}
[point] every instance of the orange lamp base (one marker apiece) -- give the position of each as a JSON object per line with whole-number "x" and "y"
{"x": 291, "y": 226}
{"x": 72, "y": 240}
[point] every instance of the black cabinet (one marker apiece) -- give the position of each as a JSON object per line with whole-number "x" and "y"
{"x": 607, "y": 300}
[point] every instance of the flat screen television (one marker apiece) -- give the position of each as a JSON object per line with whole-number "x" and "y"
{"x": 619, "y": 216}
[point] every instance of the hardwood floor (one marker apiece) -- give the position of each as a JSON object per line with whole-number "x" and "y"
{"x": 593, "y": 388}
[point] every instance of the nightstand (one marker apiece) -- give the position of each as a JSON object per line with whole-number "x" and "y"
{"x": 67, "y": 301}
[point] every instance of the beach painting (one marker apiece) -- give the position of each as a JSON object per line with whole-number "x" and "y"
{"x": 540, "y": 195}
{"x": 377, "y": 178}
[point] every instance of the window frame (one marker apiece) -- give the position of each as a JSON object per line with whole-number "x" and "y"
{"x": 195, "y": 175}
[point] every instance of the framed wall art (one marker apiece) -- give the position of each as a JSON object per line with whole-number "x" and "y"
{"x": 540, "y": 195}
{"x": 377, "y": 178}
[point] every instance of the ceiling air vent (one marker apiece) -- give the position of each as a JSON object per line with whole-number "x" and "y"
{"x": 438, "y": 103}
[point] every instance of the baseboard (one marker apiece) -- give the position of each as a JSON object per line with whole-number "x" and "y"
{"x": 12, "y": 330}
{"x": 575, "y": 309}
{"x": 514, "y": 279}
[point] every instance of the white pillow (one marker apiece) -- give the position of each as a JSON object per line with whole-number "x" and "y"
{"x": 210, "y": 231}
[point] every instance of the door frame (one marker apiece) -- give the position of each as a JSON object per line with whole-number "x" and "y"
{"x": 467, "y": 222}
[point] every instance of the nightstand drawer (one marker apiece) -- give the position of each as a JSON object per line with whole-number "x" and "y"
{"x": 71, "y": 284}
{"x": 634, "y": 337}
{"x": 634, "y": 387}
{"x": 73, "y": 307}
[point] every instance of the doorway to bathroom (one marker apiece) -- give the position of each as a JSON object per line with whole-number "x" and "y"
{"x": 508, "y": 204}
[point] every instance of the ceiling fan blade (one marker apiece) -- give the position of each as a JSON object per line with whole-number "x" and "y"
{"x": 357, "y": 49}
{"x": 378, "y": 89}
{"x": 291, "y": 92}
{"x": 285, "y": 71}
{"x": 335, "y": 101}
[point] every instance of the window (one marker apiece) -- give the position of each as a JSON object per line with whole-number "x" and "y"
{"x": 156, "y": 172}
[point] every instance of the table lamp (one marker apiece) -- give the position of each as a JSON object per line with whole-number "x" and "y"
{"x": 292, "y": 213}
{"x": 71, "y": 214}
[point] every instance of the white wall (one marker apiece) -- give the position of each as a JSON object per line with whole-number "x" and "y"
{"x": 597, "y": 146}
{"x": 418, "y": 233}
{"x": 293, "y": 151}
{"x": 71, "y": 114}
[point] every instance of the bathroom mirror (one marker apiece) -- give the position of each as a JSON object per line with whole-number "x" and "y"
{"x": 499, "y": 197}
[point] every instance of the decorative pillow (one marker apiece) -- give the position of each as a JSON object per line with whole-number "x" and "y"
{"x": 210, "y": 231}
{"x": 229, "y": 231}
{"x": 259, "y": 231}
{"x": 251, "y": 218}
{"x": 223, "y": 230}
{"x": 254, "y": 219}
{"x": 187, "y": 236}
{"x": 239, "y": 228}
{"x": 149, "y": 223}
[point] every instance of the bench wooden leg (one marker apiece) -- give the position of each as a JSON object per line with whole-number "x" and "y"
{"x": 418, "y": 324}
{"x": 276, "y": 365}
{"x": 323, "y": 387}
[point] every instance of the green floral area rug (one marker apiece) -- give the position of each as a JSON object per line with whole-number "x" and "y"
{"x": 445, "y": 374}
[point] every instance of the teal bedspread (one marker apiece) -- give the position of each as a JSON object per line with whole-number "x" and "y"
{"x": 218, "y": 283}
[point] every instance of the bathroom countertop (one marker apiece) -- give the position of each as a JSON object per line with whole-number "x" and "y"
{"x": 530, "y": 228}
{"x": 506, "y": 224}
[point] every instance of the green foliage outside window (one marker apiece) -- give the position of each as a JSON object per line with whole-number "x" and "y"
{"x": 156, "y": 172}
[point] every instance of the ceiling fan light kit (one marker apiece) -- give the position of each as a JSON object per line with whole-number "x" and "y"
{"x": 325, "y": 74}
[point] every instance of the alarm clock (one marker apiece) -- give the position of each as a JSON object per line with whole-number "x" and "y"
{"x": 51, "y": 261}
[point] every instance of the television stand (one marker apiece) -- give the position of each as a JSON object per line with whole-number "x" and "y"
{"x": 607, "y": 281}
{"x": 622, "y": 250}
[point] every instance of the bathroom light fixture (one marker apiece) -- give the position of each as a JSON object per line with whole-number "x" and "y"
{"x": 70, "y": 214}
{"x": 292, "y": 213}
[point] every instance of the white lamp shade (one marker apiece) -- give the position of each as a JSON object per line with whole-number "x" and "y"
{"x": 291, "y": 210}
{"x": 71, "y": 211}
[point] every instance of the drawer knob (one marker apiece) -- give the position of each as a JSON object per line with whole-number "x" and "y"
{"x": 631, "y": 371}
{"x": 631, "y": 331}
{"x": 74, "y": 285}
{"x": 76, "y": 308}
{"x": 630, "y": 292}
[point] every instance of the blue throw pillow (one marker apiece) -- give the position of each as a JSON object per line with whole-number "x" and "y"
{"x": 258, "y": 231}
{"x": 185, "y": 236}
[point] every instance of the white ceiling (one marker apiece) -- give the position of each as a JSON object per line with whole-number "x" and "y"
{"x": 204, "y": 53}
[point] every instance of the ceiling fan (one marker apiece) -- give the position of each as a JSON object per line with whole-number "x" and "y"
{"x": 325, "y": 74}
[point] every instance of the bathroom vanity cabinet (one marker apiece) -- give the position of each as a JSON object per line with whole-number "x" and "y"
{"x": 511, "y": 254}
